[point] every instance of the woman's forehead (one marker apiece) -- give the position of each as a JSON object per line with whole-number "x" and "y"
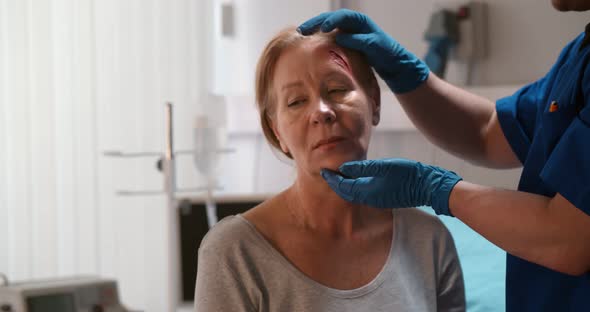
{"x": 314, "y": 55}
{"x": 321, "y": 47}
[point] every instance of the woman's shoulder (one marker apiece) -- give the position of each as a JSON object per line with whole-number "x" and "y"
{"x": 418, "y": 220}
{"x": 268, "y": 217}
{"x": 424, "y": 235}
{"x": 237, "y": 233}
{"x": 225, "y": 230}
{"x": 228, "y": 237}
{"x": 419, "y": 215}
{"x": 236, "y": 245}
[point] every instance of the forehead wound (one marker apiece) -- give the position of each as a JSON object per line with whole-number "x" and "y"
{"x": 339, "y": 60}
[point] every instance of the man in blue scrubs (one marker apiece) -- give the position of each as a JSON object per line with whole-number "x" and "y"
{"x": 545, "y": 127}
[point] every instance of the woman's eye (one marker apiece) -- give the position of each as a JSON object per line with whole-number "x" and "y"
{"x": 337, "y": 90}
{"x": 295, "y": 103}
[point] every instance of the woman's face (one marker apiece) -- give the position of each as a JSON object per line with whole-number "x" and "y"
{"x": 322, "y": 116}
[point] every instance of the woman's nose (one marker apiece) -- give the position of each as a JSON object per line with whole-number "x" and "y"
{"x": 323, "y": 114}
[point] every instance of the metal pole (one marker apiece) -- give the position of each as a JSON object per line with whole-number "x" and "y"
{"x": 173, "y": 272}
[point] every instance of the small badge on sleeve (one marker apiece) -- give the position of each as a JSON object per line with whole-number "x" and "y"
{"x": 553, "y": 107}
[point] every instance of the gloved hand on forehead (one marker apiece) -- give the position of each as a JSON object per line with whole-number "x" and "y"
{"x": 393, "y": 183}
{"x": 401, "y": 70}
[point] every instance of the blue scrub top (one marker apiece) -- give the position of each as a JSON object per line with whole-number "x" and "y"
{"x": 547, "y": 124}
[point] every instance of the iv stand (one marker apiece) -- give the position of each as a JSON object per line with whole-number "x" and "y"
{"x": 172, "y": 223}
{"x": 167, "y": 164}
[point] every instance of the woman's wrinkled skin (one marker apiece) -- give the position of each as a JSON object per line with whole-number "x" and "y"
{"x": 322, "y": 116}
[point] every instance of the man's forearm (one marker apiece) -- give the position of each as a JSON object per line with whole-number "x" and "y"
{"x": 548, "y": 231}
{"x": 450, "y": 117}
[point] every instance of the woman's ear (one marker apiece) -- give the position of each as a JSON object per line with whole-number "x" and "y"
{"x": 375, "y": 95}
{"x": 283, "y": 146}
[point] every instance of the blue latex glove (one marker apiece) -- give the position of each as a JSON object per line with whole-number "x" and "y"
{"x": 401, "y": 70}
{"x": 393, "y": 183}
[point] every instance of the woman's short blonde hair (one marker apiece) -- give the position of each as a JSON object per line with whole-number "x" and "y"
{"x": 265, "y": 97}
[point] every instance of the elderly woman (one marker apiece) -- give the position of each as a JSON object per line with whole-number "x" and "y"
{"x": 306, "y": 249}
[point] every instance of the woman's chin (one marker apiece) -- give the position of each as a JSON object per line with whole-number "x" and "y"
{"x": 335, "y": 162}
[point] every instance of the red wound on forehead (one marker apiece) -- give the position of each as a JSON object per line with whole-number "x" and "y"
{"x": 336, "y": 57}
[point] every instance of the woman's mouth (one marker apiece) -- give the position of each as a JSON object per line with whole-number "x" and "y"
{"x": 329, "y": 142}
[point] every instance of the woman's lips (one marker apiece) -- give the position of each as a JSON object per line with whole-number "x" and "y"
{"x": 328, "y": 142}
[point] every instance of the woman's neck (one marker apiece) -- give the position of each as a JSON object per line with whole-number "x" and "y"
{"x": 314, "y": 206}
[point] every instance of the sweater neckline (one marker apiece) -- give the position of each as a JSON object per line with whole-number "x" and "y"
{"x": 371, "y": 286}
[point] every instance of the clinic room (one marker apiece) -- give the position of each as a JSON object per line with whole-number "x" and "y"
{"x": 311, "y": 155}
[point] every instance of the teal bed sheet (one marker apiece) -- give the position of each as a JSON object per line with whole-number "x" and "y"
{"x": 484, "y": 267}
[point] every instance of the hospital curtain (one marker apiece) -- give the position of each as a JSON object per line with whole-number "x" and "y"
{"x": 78, "y": 77}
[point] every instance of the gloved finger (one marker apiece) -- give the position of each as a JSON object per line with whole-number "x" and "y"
{"x": 363, "y": 168}
{"x": 347, "y": 21}
{"x": 358, "y": 42}
{"x": 311, "y": 25}
{"x": 342, "y": 186}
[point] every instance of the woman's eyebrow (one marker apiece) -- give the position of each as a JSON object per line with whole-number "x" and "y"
{"x": 293, "y": 84}
{"x": 336, "y": 75}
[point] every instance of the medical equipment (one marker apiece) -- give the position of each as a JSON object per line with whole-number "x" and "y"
{"x": 210, "y": 138}
{"x": 209, "y": 144}
{"x": 167, "y": 165}
{"x": 442, "y": 35}
{"x": 88, "y": 294}
{"x": 456, "y": 31}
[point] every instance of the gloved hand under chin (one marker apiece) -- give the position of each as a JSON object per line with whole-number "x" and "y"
{"x": 401, "y": 70}
{"x": 393, "y": 183}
